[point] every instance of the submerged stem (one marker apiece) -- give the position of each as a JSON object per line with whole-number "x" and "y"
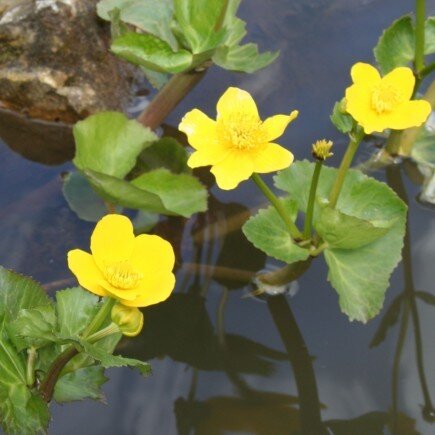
{"x": 344, "y": 167}
{"x": 310, "y": 208}
{"x": 420, "y": 18}
{"x": 276, "y": 202}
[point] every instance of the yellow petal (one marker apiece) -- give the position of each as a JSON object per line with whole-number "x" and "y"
{"x": 83, "y": 266}
{"x": 152, "y": 255}
{"x": 403, "y": 79}
{"x": 235, "y": 168}
{"x": 208, "y": 156}
{"x": 158, "y": 289}
{"x": 358, "y": 102}
{"x": 112, "y": 240}
{"x": 199, "y": 128}
{"x": 272, "y": 158}
{"x": 236, "y": 100}
{"x": 364, "y": 73}
{"x": 119, "y": 293}
{"x": 409, "y": 114}
{"x": 276, "y": 125}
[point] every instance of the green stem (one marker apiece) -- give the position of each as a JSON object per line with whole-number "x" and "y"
{"x": 276, "y": 202}
{"x": 103, "y": 333}
{"x": 344, "y": 167}
{"x": 310, "y": 209}
{"x": 420, "y": 18}
{"x": 100, "y": 317}
{"x": 30, "y": 369}
{"x": 221, "y": 19}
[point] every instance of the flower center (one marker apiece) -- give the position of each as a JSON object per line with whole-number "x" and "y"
{"x": 385, "y": 98}
{"x": 241, "y": 132}
{"x": 122, "y": 275}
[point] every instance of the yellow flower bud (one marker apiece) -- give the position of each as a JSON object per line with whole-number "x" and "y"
{"x": 129, "y": 319}
{"x": 322, "y": 149}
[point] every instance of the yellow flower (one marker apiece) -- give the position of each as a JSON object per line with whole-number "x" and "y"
{"x": 322, "y": 149}
{"x": 135, "y": 270}
{"x": 129, "y": 319}
{"x": 238, "y": 143}
{"x": 378, "y": 103}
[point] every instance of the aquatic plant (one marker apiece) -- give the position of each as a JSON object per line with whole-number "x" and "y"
{"x": 58, "y": 349}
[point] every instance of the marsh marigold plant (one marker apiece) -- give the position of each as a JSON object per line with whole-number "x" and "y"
{"x": 378, "y": 103}
{"x": 238, "y": 143}
{"x": 137, "y": 271}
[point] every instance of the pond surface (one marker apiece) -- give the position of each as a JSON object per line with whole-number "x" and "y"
{"x": 224, "y": 361}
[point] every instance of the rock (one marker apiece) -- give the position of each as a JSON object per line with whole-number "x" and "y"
{"x": 55, "y": 69}
{"x": 54, "y": 60}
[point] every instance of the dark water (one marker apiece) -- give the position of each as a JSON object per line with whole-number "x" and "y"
{"x": 225, "y": 362}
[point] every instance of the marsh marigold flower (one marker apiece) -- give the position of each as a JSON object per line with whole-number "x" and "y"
{"x": 135, "y": 270}
{"x": 238, "y": 143}
{"x": 378, "y": 103}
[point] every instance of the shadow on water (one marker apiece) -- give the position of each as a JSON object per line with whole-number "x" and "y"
{"x": 224, "y": 360}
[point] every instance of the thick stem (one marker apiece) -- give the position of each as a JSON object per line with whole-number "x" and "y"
{"x": 344, "y": 167}
{"x": 420, "y": 18}
{"x": 427, "y": 70}
{"x": 100, "y": 317}
{"x": 301, "y": 361}
{"x": 170, "y": 95}
{"x": 48, "y": 384}
{"x": 276, "y": 202}
{"x": 311, "y": 200}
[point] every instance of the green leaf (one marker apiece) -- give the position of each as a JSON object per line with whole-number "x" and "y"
{"x": 197, "y": 20}
{"x": 165, "y": 153}
{"x": 144, "y": 222}
{"x": 347, "y": 232}
{"x": 429, "y": 40}
{"x": 124, "y": 193}
{"x": 156, "y": 79}
{"x": 21, "y": 413}
{"x": 75, "y": 310}
{"x": 108, "y": 142}
{"x": 396, "y": 45}
{"x": 423, "y": 150}
{"x": 360, "y": 276}
{"x": 150, "y": 16}
{"x": 236, "y": 28}
{"x": 151, "y": 52}
{"x": 342, "y": 121}
{"x": 180, "y": 193}
{"x": 18, "y": 292}
{"x": 82, "y": 199}
{"x": 81, "y": 384}
{"x": 107, "y": 360}
{"x": 267, "y": 231}
{"x": 243, "y": 58}
{"x": 33, "y": 327}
